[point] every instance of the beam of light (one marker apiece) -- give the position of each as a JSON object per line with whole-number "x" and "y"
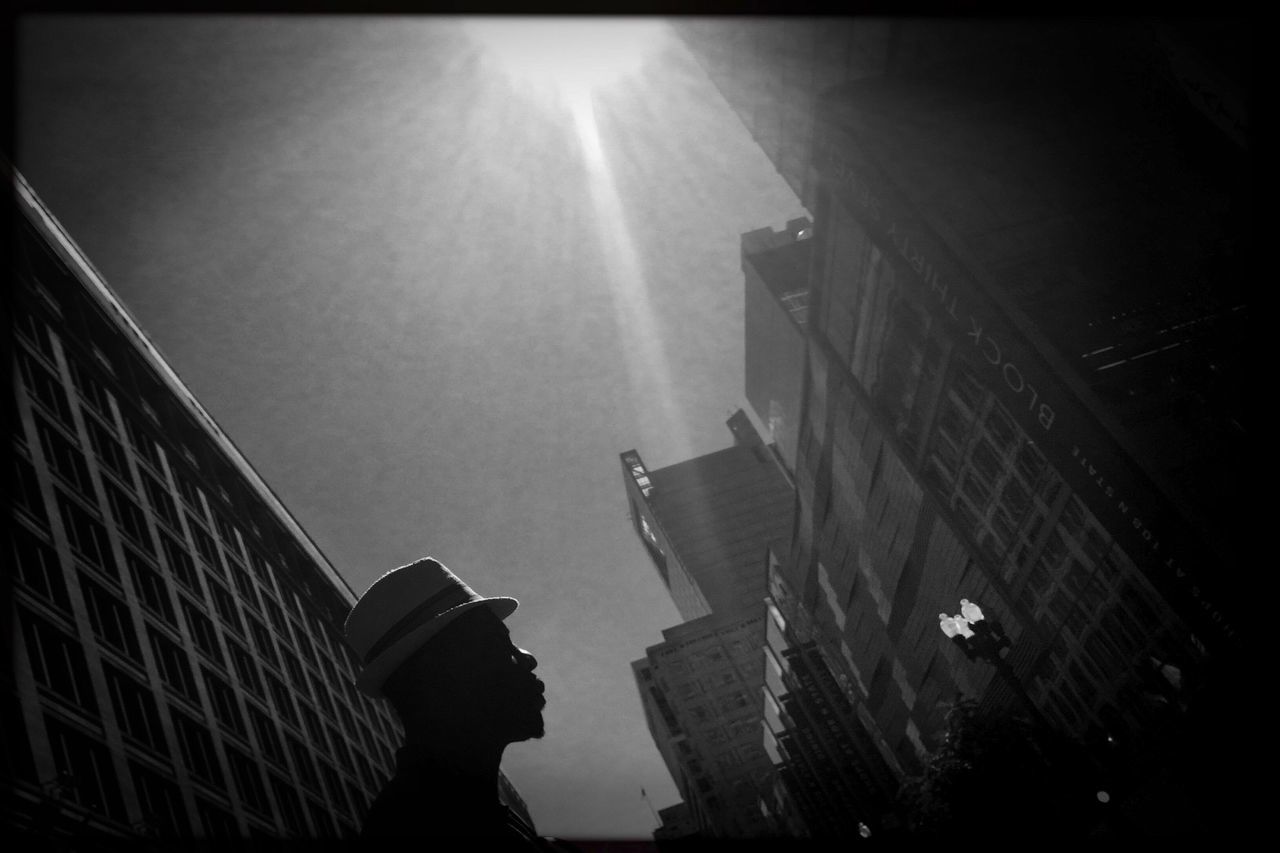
{"x": 647, "y": 363}
{"x": 567, "y": 63}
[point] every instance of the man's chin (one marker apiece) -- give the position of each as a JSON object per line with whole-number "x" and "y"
{"x": 535, "y": 730}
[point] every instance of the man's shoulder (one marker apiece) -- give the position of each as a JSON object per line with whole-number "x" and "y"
{"x": 409, "y": 806}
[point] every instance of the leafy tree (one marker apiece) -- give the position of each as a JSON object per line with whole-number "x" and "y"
{"x": 996, "y": 774}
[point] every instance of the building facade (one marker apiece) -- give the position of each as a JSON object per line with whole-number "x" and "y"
{"x": 700, "y": 690}
{"x": 833, "y": 776}
{"x": 775, "y": 268}
{"x": 1023, "y": 374}
{"x": 707, "y": 523}
{"x": 178, "y": 662}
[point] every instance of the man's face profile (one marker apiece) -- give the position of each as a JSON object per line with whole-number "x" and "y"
{"x": 473, "y": 668}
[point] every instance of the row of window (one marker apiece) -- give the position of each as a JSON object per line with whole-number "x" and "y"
{"x": 89, "y": 537}
{"x": 88, "y": 534}
{"x": 58, "y": 663}
{"x": 69, "y": 463}
{"x": 38, "y": 568}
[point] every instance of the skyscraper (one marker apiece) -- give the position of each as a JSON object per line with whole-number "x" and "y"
{"x": 707, "y": 523}
{"x": 178, "y": 662}
{"x": 1023, "y": 378}
{"x": 775, "y": 268}
{"x": 700, "y": 690}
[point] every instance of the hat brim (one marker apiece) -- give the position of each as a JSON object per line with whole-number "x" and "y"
{"x": 376, "y": 672}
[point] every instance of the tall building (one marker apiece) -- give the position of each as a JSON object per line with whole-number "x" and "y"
{"x": 771, "y": 71}
{"x": 706, "y": 521}
{"x": 178, "y": 663}
{"x": 700, "y": 690}
{"x": 833, "y": 775}
{"x": 1023, "y": 372}
{"x": 706, "y": 524}
{"x": 775, "y": 267}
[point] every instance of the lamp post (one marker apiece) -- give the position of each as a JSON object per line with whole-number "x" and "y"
{"x": 982, "y": 638}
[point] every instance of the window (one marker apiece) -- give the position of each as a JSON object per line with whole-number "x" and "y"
{"x": 321, "y": 820}
{"x": 136, "y": 710}
{"x": 92, "y": 390}
{"x": 46, "y": 388}
{"x": 27, "y": 493}
{"x": 262, "y": 641}
{"x": 248, "y": 776}
{"x": 245, "y": 667}
{"x": 87, "y": 535}
{"x": 198, "y": 751}
{"x": 216, "y": 821}
{"x": 268, "y": 735}
{"x": 175, "y": 667}
{"x": 225, "y": 707}
{"x": 129, "y": 518}
{"x": 143, "y": 444}
{"x": 976, "y": 491}
{"x": 321, "y": 694}
{"x": 57, "y": 661}
{"x": 205, "y": 545}
{"x": 111, "y": 620}
{"x": 161, "y": 501}
{"x": 359, "y": 802}
{"x": 366, "y": 771}
{"x": 276, "y": 615}
{"x": 330, "y": 671}
{"x": 227, "y": 533}
{"x": 63, "y": 457}
{"x": 303, "y": 763}
{"x": 340, "y": 751}
{"x": 85, "y": 771}
{"x": 311, "y": 722}
{"x": 151, "y": 587}
{"x": 189, "y": 491}
{"x": 244, "y": 585}
{"x": 161, "y": 802}
{"x": 294, "y": 669}
{"x": 180, "y": 562}
{"x": 1015, "y": 498}
{"x": 260, "y": 567}
{"x": 109, "y": 450}
{"x": 202, "y": 630}
{"x": 303, "y": 642}
{"x": 333, "y": 785}
{"x": 369, "y": 744}
{"x": 283, "y": 700}
{"x": 35, "y": 331}
{"x": 36, "y": 565}
{"x": 290, "y": 805}
{"x": 986, "y": 461}
{"x": 226, "y": 606}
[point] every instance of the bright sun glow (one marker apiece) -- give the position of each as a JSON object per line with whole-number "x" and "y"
{"x": 565, "y": 57}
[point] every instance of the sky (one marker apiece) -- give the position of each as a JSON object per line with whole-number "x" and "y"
{"x": 431, "y": 296}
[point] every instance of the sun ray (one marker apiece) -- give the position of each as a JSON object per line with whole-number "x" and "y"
{"x": 567, "y": 63}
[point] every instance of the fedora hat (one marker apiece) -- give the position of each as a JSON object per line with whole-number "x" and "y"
{"x": 404, "y": 609}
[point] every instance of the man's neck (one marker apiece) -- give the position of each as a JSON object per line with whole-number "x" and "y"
{"x": 473, "y": 765}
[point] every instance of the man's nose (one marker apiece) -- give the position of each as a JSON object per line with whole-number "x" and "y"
{"x": 527, "y": 660}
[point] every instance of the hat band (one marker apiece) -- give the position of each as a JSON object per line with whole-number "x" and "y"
{"x": 420, "y": 615}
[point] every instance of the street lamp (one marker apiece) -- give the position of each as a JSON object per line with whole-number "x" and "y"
{"x": 976, "y": 635}
{"x": 980, "y": 637}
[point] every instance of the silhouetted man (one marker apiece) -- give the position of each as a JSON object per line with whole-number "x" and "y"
{"x": 442, "y": 656}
